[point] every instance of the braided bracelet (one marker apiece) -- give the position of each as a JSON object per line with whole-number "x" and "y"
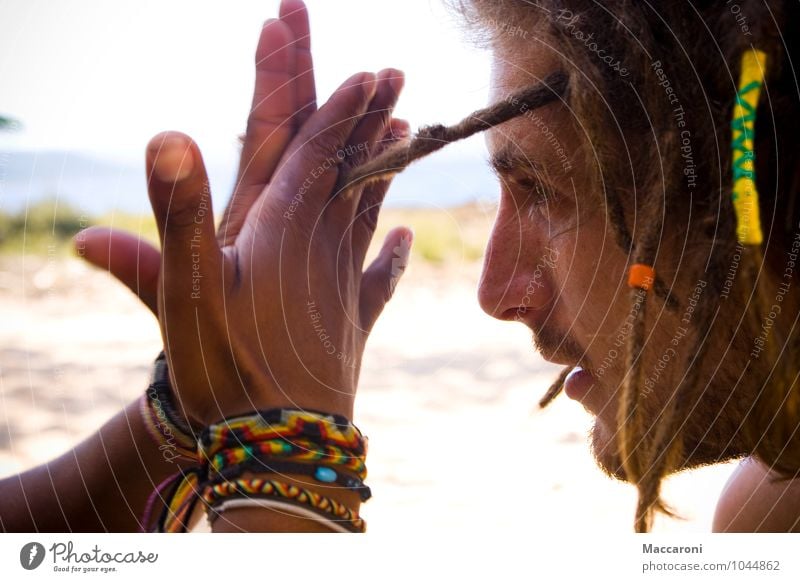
{"x": 279, "y": 505}
{"x": 300, "y": 450}
{"x": 170, "y": 431}
{"x": 255, "y": 488}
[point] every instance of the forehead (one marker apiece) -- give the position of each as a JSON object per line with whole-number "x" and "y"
{"x": 538, "y": 135}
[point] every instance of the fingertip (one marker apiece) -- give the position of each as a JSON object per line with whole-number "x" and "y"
{"x": 295, "y": 14}
{"x": 399, "y": 128}
{"x": 364, "y": 82}
{"x": 275, "y": 36}
{"x": 292, "y": 8}
{"x": 171, "y": 157}
{"x": 399, "y": 241}
{"x": 402, "y": 232}
{"x": 89, "y": 244}
{"x": 395, "y": 77}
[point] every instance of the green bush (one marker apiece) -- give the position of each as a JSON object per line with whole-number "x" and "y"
{"x": 40, "y": 226}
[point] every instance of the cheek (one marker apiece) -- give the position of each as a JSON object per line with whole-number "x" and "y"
{"x": 591, "y": 272}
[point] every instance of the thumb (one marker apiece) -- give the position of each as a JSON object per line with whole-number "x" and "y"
{"x": 380, "y": 279}
{"x": 134, "y": 262}
{"x": 181, "y": 201}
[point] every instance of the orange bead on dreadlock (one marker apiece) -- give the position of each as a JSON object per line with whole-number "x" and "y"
{"x": 641, "y": 276}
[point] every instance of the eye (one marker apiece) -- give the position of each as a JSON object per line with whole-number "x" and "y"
{"x": 538, "y": 193}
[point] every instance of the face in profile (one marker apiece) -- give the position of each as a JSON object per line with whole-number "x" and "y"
{"x": 553, "y": 264}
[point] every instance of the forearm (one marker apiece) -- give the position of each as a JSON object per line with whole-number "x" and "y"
{"x": 101, "y": 485}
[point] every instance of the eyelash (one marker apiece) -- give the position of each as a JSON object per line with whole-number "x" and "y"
{"x": 537, "y": 192}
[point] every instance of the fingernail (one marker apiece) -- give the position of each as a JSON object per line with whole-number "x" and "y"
{"x": 174, "y": 160}
{"x": 369, "y": 84}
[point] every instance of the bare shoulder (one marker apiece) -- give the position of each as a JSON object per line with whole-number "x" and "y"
{"x": 753, "y": 501}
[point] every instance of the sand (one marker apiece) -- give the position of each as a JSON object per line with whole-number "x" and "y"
{"x": 447, "y": 397}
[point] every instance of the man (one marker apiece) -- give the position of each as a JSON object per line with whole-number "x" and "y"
{"x": 646, "y": 183}
{"x": 629, "y": 168}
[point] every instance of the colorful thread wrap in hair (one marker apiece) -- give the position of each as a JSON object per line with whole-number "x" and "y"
{"x": 745, "y": 194}
{"x": 641, "y": 276}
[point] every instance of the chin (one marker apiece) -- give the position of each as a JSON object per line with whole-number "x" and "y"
{"x": 604, "y": 449}
{"x": 699, "y": 450}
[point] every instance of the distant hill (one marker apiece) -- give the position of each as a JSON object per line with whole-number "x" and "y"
{"x": 96, "y": 186}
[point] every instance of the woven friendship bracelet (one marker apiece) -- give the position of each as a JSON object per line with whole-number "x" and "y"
{"x": 301, "y": 450}
{"x": 186, "y": 491}
{"x": 284, "y": 423}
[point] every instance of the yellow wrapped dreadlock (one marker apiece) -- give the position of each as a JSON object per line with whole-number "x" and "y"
{"x": 745, "y": 194}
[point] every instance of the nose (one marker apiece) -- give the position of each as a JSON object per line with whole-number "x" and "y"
{"x": 517, "y": 282}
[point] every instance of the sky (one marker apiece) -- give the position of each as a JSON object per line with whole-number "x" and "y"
{"x": 103, "y": 77}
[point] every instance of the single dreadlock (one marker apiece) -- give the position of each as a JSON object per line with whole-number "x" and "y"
{"x": 555, "y": 388}
{"x": 431, "y": 138}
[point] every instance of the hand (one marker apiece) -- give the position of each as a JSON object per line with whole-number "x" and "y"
{"x": 284, "y": 97}
{"x": 280, "y": 315}
{"x": 235, "y": 333}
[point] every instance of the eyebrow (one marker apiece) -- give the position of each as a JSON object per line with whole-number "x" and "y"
{"x": 505, "y": 161}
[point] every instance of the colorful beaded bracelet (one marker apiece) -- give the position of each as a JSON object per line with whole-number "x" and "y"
{"x": 320, "y": 473}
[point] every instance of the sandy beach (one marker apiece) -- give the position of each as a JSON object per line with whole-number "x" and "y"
{"x": 75, "y": 346}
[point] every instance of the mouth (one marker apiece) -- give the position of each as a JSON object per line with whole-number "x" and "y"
{"x": 564, "y": 351}
{"x": 578, "y": 383}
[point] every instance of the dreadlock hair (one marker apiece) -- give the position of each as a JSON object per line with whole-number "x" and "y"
{"x": 680, "y": 64}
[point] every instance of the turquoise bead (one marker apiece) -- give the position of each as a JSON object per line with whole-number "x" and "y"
{"x": 325, "y": 474}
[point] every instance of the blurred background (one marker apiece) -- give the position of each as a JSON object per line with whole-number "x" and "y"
{"x": 85, "y": 83}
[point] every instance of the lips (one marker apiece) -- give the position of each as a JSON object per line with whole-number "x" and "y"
{"x": 578, "y": 383}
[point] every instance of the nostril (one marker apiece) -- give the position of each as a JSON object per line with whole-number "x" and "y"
{"x": 513, "y": 314}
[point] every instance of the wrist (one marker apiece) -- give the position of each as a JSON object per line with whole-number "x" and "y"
{"x": 174, "y": 435}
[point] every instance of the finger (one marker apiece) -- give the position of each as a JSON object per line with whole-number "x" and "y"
{"x": 134, "y": 262}
{"x": 398, "y": 129}
{"x": 295, "y": 14}
{"x": 364, "y": 141}
{"x": 380, "y": 279}
{"x": 309, "y": 171}
{"x": 181, "y": 201}
{"x": 372, "y": 127}
{"x": 369, "y": 206}
{"x": 270, "y": 126}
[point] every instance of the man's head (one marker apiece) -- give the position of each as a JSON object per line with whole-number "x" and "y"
{"x": 633, "y": 166}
